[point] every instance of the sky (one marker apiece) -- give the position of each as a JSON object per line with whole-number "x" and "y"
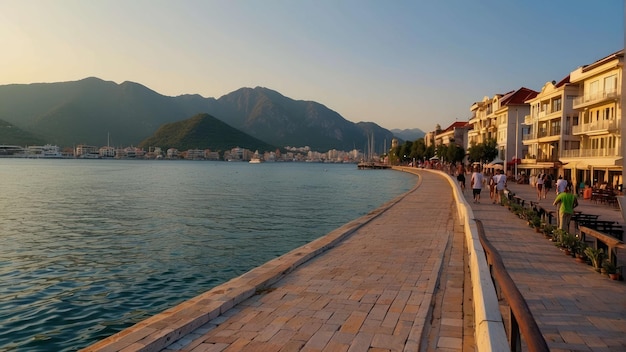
{"x": 400, "y": 64}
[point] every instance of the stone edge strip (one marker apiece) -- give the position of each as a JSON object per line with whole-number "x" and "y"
{"x": 489, "y": 331}
{"x": 163, "y": 329}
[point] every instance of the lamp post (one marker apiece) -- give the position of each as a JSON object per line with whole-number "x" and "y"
{"x": 516, "y": 141}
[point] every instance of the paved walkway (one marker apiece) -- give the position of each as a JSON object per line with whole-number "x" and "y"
{"x": 400, "y": 283}
{"x": 576, "y": 308}
{"x": 378, "y": 290}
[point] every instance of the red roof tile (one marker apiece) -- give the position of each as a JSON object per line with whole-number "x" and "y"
{"x": 518, "y": 97}
{"x": 562, "y": 82}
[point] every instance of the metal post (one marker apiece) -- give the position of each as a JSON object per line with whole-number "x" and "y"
{"x": 516, "y": 141}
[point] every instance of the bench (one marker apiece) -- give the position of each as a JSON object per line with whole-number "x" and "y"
{"x": 601, "y": 240}
{"x": 546, "y": 215}
{"x": 519, "y": 200}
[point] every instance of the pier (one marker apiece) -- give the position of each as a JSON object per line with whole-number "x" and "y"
{"x": 409, "y": 276}
{"x": 373, "y": 165}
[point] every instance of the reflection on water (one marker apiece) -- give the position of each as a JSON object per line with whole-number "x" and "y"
{"x": 89, "y": 247}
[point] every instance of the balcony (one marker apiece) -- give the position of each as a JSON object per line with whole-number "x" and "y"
{"x": 528, "y": 120}
{"x": 591, "y": 153}
{"x": 547, "y": 158}
{"x": 528, "y": 136}
{"x": 596, "y": 127}
{"x": 591, "y": 99}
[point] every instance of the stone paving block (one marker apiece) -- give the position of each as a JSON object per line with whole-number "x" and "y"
{"x": 354, "y": 322}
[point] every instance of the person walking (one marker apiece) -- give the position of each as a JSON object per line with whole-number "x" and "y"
{"x": 540, "y": 186}
{"x": 567, "y": 201}
{"x": 477, "y": 184}
{"x": 500, "y": 181}
{"x": 561, "y": 184}
{"x": 547, "y": 185}
{"x": 460, "y": 177}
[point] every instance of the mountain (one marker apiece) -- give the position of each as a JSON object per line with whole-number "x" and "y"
{"x": 408, "y": 134}
{"x": 276, "y": 119}
{"x": 203, "y": 131}
{"x": 86, "y": 111}
{"x": 12, "y": 135}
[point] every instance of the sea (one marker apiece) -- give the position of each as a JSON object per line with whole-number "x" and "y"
{"x": 90, "y": 247}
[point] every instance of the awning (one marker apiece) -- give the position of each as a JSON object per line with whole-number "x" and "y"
{"x": 496, "y": 161}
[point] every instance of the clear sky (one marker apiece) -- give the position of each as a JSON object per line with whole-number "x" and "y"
{"x": 401, "y": 64}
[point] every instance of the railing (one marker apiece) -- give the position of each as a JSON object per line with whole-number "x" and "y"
{"x": 602, "y": 125}
{"x": 594, "y": 98}
{"x": 577, "y": 153}
{"x": 521, "y": 321}
{"x": 528, "y": 119}
{"x": 546, "y": 158}
{"x": 570, "y": 153}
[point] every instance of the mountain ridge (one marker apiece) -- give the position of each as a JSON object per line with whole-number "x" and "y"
{"x": 85, "y": 111}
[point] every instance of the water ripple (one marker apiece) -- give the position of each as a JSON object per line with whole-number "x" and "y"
{"x": 91, "y": 247}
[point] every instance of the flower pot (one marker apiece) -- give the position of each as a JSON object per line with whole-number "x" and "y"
{"x": 614, "y": 276}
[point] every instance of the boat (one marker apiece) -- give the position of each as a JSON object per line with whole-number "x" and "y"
{"x": 256, "y": 158}
{"x": 45, "y": 151}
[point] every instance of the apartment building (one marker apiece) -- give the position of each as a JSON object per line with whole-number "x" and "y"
{"x": 501, "y": 118}
{"x": 548, "y": 128}
{"x": 456, "y": 133}
{"x": 594, "y": 156}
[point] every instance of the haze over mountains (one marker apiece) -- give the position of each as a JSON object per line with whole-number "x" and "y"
{"x": 86, "y": 111}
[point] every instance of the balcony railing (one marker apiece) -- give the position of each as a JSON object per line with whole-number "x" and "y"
{"x": 528, "y": 120}
{"x": 590, "y": 153}
{"x": 596, "y": 126}
{"x": 589, "y": 99}
{"x": 548, "y": 158}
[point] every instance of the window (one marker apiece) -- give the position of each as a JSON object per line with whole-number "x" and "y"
{"x": 610, "y": 84}
{"x": 593, "y": 89}
{"x": 611, "y": 142}
{"x": 556, "y": 104}
{"x": 555, "y": 127}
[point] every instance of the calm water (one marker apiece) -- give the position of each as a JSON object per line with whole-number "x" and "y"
{"x": 89, "y": 247}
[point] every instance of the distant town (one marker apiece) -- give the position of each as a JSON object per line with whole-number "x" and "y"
{"x": 290, "y": 154}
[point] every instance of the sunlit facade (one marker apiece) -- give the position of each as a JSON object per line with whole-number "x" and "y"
{"x": 596, "y": 157}
{"x": 500, "y": 118}
{"x": 548, "y": 128}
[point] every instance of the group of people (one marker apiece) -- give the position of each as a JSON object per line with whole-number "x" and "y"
{"x": 565, "y": 200}
{"x": 544, "y": 185}
{"x": 497, "y": 184}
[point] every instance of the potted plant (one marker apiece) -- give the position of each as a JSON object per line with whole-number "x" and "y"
{"x": 547, "y": 230}
{"x": 568, "y": 242}
{"x": 517, "y": 209}
{"x": 536, "y": 223}
{"x": 611, "y": 269}
{"x": 580, "y": 251}
{"x": 596, "y": 256}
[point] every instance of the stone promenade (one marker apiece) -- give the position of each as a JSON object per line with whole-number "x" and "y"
{"x": 576, "y": 308}
{"x": 395, "y": 284}
{"x": 397, "y": 280}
